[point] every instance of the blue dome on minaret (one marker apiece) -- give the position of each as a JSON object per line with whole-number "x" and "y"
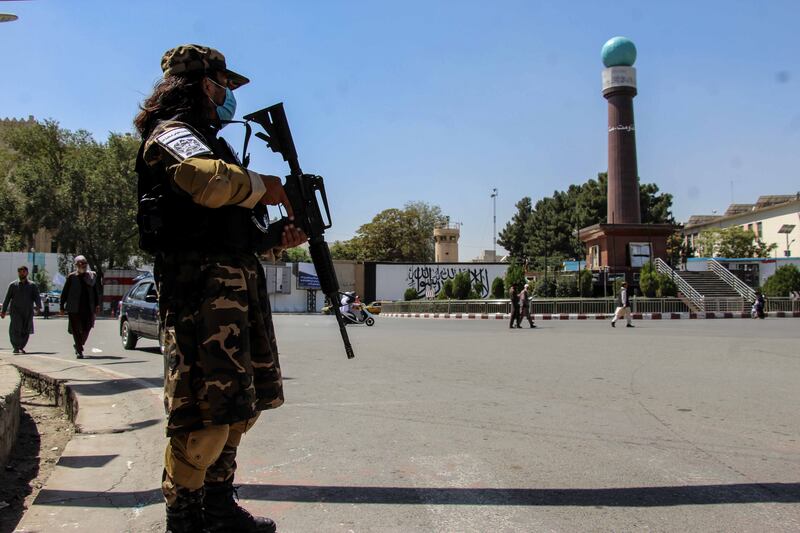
{"x": 619, "y": 52}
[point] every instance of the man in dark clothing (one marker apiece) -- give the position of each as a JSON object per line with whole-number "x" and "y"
{"x": 81, "y": 299}
{"x": 21, "y": 297}
{"x": 525, "y": 307}
{"x": 512, "y": 293}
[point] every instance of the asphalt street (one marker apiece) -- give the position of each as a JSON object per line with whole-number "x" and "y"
{"x": 682, "y": 425}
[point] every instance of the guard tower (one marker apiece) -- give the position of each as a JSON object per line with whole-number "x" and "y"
{"x": 446, "y": 238}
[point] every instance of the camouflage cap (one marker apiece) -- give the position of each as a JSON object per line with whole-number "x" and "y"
{"x": 188, "y": 58}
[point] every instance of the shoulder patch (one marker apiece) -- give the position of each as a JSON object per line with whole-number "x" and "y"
{"x": 182, "y": 142}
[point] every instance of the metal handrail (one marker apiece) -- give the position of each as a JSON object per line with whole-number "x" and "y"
{"x": 695, "y": 297}
{"x": 728, "y": 277}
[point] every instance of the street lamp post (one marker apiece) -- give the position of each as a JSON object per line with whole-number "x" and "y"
{"x": 786, "y": 229}
{"x": 494, "y": 224}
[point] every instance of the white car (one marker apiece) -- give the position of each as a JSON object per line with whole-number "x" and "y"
{"x": 52, "y": 301}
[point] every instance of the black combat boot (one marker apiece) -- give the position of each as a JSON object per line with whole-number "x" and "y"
{"x": 186, "y": 514}
{"x": 223, "y": 514}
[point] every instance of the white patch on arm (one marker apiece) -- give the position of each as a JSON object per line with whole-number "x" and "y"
{"x": 182, "y": 143}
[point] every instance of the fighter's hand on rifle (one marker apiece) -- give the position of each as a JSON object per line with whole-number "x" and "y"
{"x": 275, "y": 195}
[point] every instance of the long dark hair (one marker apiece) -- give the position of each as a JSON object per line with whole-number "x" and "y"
{"x": 171, "y": 96}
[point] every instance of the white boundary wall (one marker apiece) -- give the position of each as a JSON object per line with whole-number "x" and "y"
{"x": 392, "y": 279}
{"x": 10, "y": 261}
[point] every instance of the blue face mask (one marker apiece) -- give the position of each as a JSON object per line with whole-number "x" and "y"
{"x": 227, "y": 110}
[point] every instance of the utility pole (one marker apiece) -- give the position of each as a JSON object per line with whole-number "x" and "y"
{"x": 494, "y": 223}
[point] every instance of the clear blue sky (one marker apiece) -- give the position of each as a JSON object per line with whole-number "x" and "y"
{"x": 441, "y": 101}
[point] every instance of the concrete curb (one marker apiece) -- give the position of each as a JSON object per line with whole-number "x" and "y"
{"x": 107, "y": 476}
{"x": 10, "y": 383}
{"x": 599, "y": 316}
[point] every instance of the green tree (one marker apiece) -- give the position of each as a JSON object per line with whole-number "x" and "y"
{"x": 82, "y": 190}
{"x": 347, "y": 250}
{"x": 398, "y": 235}
{"x": 677, "y": 249}
{"x": 295, "y": 255}
{"x": 734, "y": 241}
{"x": 514, "y": 236}
{"x": 42, "y": 280}
{"x": 410, "y": 294}
{"x": 462, "y": 284}
{"x": 585, "y": 283}
{"x": 666, "y": 286}
{"x": 515, "y": 275}
{"x": 541, "y": 232}
{"x": 97, "y": 204}
{"x": 549, "y": 229}
{"x": 498, "y": 288}
{"x": 545, "y": 288}
{"x": 447, "y": 289}
{"x": 655, "y": 208}
{"x": 783, "y": 282}
{"x": 425, "y": 217}
{"x": 567, "y": 286}
{"x": 478, "y": 289}
{"x": 648, "y": 280}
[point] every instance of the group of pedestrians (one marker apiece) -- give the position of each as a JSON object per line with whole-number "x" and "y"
{"x": 520, "y": 306}
{"x": 80, "y": 299}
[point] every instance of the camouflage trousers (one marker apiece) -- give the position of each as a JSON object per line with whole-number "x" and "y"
{"x": 219, "y": 340}
{"x": 199, "y": 457}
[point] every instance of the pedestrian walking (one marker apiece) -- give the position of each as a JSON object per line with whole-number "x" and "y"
{"x": 80, "y": 298}
{"x": 195, "y": 209}
{"x": 512, "y": 293}
{"x": 623, "y": 306}
{"x": 525, "y": 306}
{"x": 21, "y": 298}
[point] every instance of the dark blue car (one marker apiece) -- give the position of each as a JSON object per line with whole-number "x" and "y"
{"x": 138, "y": 314}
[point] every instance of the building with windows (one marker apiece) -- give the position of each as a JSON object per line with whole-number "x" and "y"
{"x": 775, "y": 219}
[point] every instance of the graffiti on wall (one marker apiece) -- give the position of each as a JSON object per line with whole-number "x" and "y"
{"x": 420, "y": 277}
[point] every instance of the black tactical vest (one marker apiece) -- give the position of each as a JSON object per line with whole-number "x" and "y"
{"x": 169, "y": 221}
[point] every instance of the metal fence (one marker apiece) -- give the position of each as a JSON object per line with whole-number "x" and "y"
{"x": 734, "y": 305}
{"x": 783, "y": 304}
{"x": 570, "y": 306}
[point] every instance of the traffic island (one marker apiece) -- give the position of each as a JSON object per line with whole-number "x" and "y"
{"x": 10, "y": 384}
{"x": 107, "y": 478}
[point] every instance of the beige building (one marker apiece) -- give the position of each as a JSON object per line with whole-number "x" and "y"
{"x": 446, "y": 238}
{"x": 774, "y": 219}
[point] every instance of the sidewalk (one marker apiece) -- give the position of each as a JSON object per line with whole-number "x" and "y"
{"x": 107, "y": 478}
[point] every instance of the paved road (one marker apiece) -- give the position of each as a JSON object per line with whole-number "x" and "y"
{"x": 467, "y": 426}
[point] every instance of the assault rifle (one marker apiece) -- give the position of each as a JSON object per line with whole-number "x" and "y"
{"x": 305, "y": 191}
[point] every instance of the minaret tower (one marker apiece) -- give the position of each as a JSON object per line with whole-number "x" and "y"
{"x": 619, "y": 88}
{"x": 622, "y": 244}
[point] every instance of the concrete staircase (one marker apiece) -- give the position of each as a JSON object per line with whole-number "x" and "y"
{"x": 709, "y": 284}
{"x": 717, "y": 294}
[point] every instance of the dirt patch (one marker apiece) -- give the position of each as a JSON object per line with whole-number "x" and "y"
{"x": 44, "y": 431}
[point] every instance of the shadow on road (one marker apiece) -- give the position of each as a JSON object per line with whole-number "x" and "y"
{"x": 115, "y": 386}
{"x": 608, "y": 497}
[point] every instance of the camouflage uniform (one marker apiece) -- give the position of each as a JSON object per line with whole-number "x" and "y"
{"x": 223, "y": 366}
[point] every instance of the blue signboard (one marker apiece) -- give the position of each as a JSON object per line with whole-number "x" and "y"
{"x": 307, "y": 276}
